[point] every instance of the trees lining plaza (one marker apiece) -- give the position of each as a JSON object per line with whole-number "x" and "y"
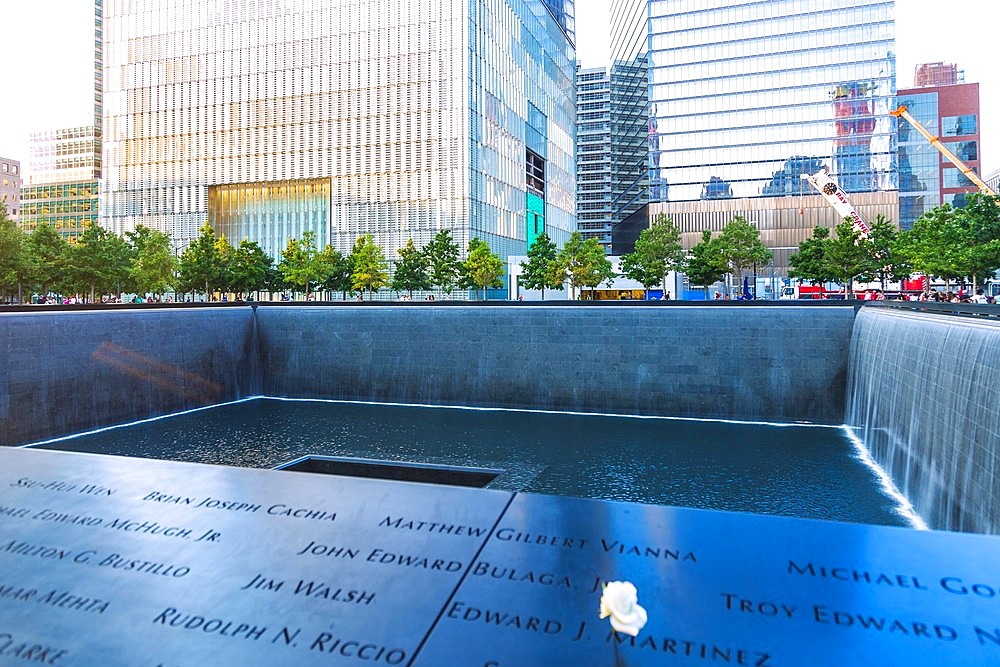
{"x": 949, "y": 244}
{"x": 946, "y": 243}
{"x": 101, "y": 265}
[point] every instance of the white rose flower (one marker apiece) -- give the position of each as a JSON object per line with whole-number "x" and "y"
{"x": 620, "y": 601}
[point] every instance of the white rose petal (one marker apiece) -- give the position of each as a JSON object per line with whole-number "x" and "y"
{"x": 620, "y": 601}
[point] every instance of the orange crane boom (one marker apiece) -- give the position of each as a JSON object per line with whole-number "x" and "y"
{"x": 902, "y": 112}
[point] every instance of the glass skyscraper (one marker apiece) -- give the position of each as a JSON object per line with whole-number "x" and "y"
{"x": 745, "y": 96}
{"x": 632, "y": 132}
{"x": 342, "y": 117}
{"x": 62, "y": 190}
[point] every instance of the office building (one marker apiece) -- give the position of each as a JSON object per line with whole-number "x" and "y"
{"x": 64, "y": 168}
{"x": 745, "y": 97}
{"x": 64, "y": 173}
{"x": 10, "y": 187}
{"x": 397, "y": 119}
{"x": 926, "y": 178}
{"x": 634, "y": 140}
{"x": 992, "y": 180}
{"x": 66, "y": 155}
{"x": 593, "y": 155}
{"x": 740, "y": 91}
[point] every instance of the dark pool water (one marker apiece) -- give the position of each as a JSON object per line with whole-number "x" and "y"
{"x": 801, "y": 471}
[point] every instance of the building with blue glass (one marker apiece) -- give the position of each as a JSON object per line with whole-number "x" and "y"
{"x": 745, "y": 97}
{"x": 926, "y": 178}
{"x": 612, "y": 167}
{"x": 593, "y": 155}
{"x": 344, "y": 118}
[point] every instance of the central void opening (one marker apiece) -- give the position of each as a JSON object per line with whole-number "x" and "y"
{"x": 790, "y": 470}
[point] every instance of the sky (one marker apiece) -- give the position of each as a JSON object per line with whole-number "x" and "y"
{"x": 50, "y": 86}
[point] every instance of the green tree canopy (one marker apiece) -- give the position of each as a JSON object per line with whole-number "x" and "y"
{"x": 982, "y": 219}
{"x": 411, "y": 271}
{"x": 847, "y": 256}
{"x": 227, "y": 256}
{"x": 445, "y": 267}
{"x": 274, "y": 281}
{"x": 339, "y": 274}
{"x": 658, "y": 251}
{"x": 201, "y": 267}
{"x": 936, "y": 244}
{"x": 301, "y": 264}
{"x": 742, "y": 248}
{"x": 97, "y": 263}
{"x": 249, "y": 268}
{"x": 706, "y": 263}
{"x": 47, "y": 255}
{"x": 542, "y": 268}
{"x": 641, "y": 268}
{"x": 370, "y": 270}
{"x": 661, "y": 243}
{"x": 585, "y": 263}
{"x": 482, "y": 268}
{"x": 809, "y": 263}
{"x": 153, "y": 267}
{"x": 888, "y": 263}
{"x": 13, "y": 256}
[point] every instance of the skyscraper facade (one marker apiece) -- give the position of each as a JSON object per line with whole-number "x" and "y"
{"x": 593, "y": 155}
{"x": 340, "y": 117}
{"x": 745, "y": 97}
{"x": 63, "y": 181}
{"x": 10, "y": 187}
{"x": 926, "y": 178}
{"x": 634, "y": 135}
{"x": 741, "y": 90}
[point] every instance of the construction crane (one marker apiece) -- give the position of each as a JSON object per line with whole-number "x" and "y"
{"x": 902, "y": 112}
{"x": 835, "y": 195}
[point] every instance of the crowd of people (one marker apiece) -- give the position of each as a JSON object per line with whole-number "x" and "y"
{"x": 960, "y": 296}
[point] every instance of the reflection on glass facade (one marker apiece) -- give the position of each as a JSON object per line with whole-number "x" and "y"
{"x": 64, "y": 155}
{"x": 564, "y": 12}
{"x": 635, "y": 136}
{"x": 63, "y": 182}
{"x": 747, "y": 92}
{"x": 927, "y": 178}
{"x": 416, "y": 111}
{"x": 271, "y": 213}
{"x": 69, "y": 208}
{"x": 593, "y": 155}
{"x": 631, "y": 135}
{"x": 919, "y": 161}
{"x": 954, "y": 126}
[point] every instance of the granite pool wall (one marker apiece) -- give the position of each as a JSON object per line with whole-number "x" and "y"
{"x": 763, "y": 363}
{"x": 64, "y": 371}
{"x": 917, "y": 388}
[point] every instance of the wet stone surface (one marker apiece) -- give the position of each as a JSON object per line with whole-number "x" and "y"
{"x": 142, "y": 562}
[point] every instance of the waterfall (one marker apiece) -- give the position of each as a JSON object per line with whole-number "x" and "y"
{"x": 922, "y": 395}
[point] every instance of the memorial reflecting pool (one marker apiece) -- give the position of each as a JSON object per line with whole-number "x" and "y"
{"x": 791, "y": 470}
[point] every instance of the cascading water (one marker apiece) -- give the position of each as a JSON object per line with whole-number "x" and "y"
{"x": 922, "y": 395}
